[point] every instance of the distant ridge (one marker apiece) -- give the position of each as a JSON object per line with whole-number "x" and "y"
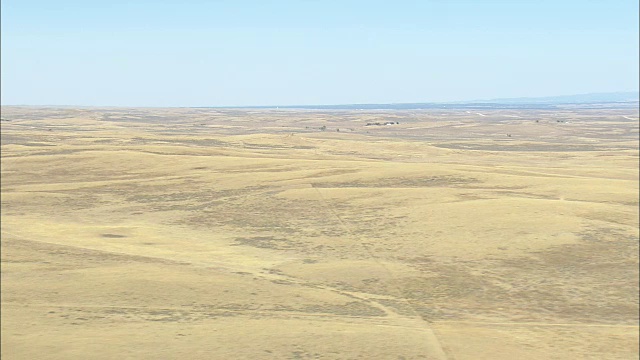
{"x": 600, "y": 100}
{"x": 610, "y": 100}
{"x": 570, "y": 99}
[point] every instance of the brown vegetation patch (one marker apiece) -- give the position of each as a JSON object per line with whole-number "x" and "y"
{"x": 401, "y": 182}
{"x": 113, "y": 236}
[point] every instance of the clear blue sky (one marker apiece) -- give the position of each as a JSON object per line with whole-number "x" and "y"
{"x": 224, "y": 53}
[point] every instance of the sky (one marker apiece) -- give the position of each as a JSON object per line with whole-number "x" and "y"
{"x": 312, "y": 52}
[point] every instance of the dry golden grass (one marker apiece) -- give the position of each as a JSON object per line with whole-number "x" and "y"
{"x": 253, "y": 234}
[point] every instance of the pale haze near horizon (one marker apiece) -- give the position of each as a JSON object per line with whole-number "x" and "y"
{"x": 242, "y": 53}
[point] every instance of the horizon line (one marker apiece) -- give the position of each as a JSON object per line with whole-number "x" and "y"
{"x": 492, "y": 101}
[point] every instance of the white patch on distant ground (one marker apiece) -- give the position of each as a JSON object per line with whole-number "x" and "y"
{"x": 481, "y": 114}
{"x": 629, "y": 118}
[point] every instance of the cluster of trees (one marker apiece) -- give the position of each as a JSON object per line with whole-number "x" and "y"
{"x": 384, "y": 123}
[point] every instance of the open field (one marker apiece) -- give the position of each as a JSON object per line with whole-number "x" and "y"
{"x": 291, "y": 234}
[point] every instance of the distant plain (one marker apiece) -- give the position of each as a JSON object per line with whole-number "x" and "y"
{"x": 201, "y": 233}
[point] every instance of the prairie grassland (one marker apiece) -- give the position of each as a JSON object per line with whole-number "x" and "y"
{"x": 282, "y": 234}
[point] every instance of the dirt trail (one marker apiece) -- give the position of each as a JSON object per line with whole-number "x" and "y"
{"x": 432, "y": 342}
